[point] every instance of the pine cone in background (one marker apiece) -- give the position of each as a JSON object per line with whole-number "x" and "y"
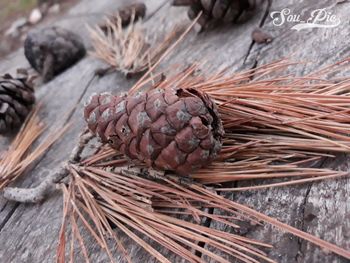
{"x": 125, "y": 14}
{"x": 52, "y": 50}
{"x": 177, "y": 130}
{"x": 215, "y": 11}
{"x": 16, "y": 101}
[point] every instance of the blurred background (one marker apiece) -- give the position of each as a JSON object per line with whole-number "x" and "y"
{"x": 19, "y": 16}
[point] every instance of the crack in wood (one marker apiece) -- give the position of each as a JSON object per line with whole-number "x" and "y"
{"x": 302, "y": 226}
{"x": 261, "y": 24}
{"x": 300, "y": 241}
{"x": 8, "y": 216}
{"x": 148, "y": 17}
{"x": 206, "y": 223}
{"x": 3, "y": 207}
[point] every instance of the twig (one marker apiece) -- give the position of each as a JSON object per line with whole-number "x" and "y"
{"x": 38, "y": 193}
{"x": 84, "y": 138}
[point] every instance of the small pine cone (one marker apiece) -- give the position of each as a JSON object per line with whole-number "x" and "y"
{"x": 177, "y": 130}
{"x": 52, "y": 50}
{"x": 215, "y": 11}
{"x": 125, "y": 14}
{"x": 16, "y": 100}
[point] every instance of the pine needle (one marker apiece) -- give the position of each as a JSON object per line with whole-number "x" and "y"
{"x": 138, "y": 204}
{"x": 125, "y": 200}
{"x": 128, "y": 50}
{"x": 22, "y": 154}
{"x": 291, "y": 182}
{"x": 275, "y": 120}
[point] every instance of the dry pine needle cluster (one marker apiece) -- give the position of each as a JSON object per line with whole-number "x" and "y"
{"x": 128, "y": 50}
{"x": 276, "y": 126}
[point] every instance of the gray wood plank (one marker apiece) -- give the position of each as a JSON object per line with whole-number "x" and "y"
{"x": 321, "y": 209}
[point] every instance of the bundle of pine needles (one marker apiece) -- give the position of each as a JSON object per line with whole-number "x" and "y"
{"x": 128, "y": 50}
{"x": 21, "y": 154}
{"x": 276, "y": 126}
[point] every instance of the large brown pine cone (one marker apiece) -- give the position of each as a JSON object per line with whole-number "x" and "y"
{"x": 215, "y": 11}
{"x": 52, "y": 50}
{"x": 16, "y": 100}
{"x": 177, "y": 130}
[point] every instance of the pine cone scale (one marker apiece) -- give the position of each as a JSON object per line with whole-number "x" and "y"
{"x": 220, "y": 8}
{"x": 177, "y": 130}
{"x": 208, "y": 5}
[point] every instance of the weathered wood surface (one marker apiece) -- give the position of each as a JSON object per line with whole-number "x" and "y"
{"x": 28, "y": 233}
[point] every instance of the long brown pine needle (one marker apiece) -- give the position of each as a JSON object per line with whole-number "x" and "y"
{"x": 21, "y": 156}
{"x": 277, "y": 127}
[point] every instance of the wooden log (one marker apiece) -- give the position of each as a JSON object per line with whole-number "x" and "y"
{"x": 29, "y": 233}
